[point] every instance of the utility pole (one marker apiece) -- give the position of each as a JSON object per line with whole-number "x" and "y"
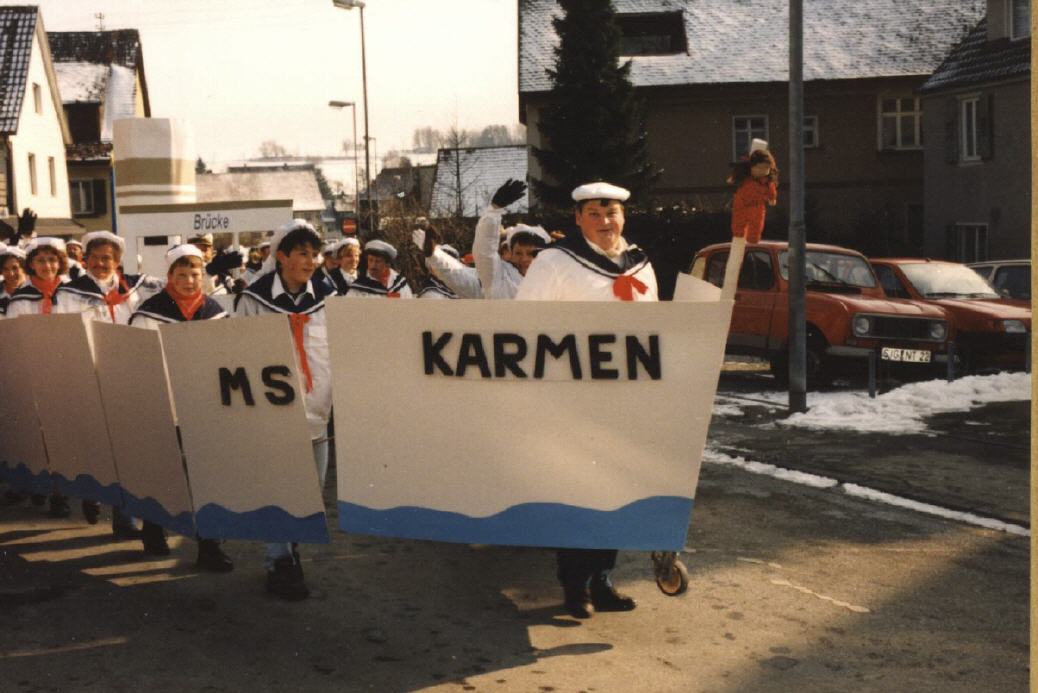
{"x": 797, "y": 241}
{"x": 100, "y": 17}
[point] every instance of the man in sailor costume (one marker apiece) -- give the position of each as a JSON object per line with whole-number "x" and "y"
{"x": 288, "y": 287}
{"x": 501, "y": 277}
{"x": 445, "y": 267}
{"x": 104, "y": 292}
{"x": 74, "y": 249}
{"x": 596, "y": 264}
{"x": 183, "y": 300}
{"x": 380, "y": 280}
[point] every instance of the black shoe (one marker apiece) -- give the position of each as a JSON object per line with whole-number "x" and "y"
{"x": 91, "y": 511}
{"x": 577, "y": 602}
{"x": 38, "y": 499}
{"x": 286, "y": 580}
{"x": 154, "y": 539}
{"x": 605, "y": 597}
{"x": 211, "y": 557}
{"x": 59, "y": 506}
{"x": 12, "y": 497}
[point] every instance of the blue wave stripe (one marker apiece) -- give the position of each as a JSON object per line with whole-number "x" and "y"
{"x": 88, "y": 488}
{"x": 22, "y": 478}
{"x": 269, "y": 523}
{"x": 150, "y": 509}
{"x": 650, "y": 524}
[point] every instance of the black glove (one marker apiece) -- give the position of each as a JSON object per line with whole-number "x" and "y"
{"x": 224, "y": 262}
{"x": 508, "y": 193}
{"x": 432, "y": 239}
{"x": 26, "y": 222}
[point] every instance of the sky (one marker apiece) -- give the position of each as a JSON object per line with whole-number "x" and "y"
{"x": 242, "y": 72}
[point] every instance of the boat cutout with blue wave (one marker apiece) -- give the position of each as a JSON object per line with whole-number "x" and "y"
{"x": 22, "y": 478}
{"x": 658, "y": 523}
{"x": 87, "y": 487}
{"x": 151, "y": 510}
{"x": 269, "y": 523}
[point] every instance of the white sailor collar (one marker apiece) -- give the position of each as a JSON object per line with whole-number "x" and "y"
{"x": 277, "y": 288}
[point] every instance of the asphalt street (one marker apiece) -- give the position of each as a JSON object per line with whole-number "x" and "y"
{"x": 792, "y": 589}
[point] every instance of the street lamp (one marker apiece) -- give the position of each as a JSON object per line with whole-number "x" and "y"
{"x": 356, "y": 171}
{"x": 349, "y": 5}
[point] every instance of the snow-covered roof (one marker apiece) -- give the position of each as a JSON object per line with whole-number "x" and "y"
{"x": 81, "y": 82}
{"x": 300, "y": 186}
{"x": 482, "y": 170}
{"x": 975, "y": 61}
{"x": 746, "y": 40}
{"x": 17, "y": 28}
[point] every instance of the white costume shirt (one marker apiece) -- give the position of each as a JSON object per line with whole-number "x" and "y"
{"x": 462, "y": 280}
{"x": 498, "y": 278}
{"x": 369, "y": 287}
{"x": 575, "y": 270}
{"x": 267, "y": 295}
{"x": 86, "y": 295}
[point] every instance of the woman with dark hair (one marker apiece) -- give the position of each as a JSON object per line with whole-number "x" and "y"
{"x": 12, "y": 269}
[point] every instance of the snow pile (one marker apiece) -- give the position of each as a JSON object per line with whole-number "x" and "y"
{"x": 905, "y": 410}
{"x": 803, "y": 478}
{"x": 122, "y": 98}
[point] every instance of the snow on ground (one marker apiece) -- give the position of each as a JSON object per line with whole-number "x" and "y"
{"x": 901, "y": 411}
{"x": 863, "y": 492}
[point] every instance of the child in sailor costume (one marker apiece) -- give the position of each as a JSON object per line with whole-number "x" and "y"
{"x": 501, "y": 278}
{"x": 445, "y": 267}
{"x": 104, "y": 293}
{"x": 347, "y": 252}
{"x": 46, "y": 264}
{"x": 12, "y": 268}
{"x": 595, "y": 265}
{"x": 380, "y": 280}
{"x": 432, "y": 287}
{"x": 183, "y": 300}
{"x": 291, "y": 267}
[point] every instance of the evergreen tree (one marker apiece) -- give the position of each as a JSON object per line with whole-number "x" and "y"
{"x": 593, "y": 127}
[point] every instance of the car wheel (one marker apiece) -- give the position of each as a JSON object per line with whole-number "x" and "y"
{"x": 817, "y": 370}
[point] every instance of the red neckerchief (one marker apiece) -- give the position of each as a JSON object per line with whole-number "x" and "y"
{"x": 625, "y": 285}
{"x": 187, "y": 306}
{"x": 298, "y": 323}
{"x": 47, "y": 289}
{"x": 113, "y": 298}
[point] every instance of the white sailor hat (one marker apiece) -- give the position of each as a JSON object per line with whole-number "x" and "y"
{"x": 184, "y": 250}
{"x": 72, "y": 241}
{"x": 756, "y": 144}
{"x": 203, "y": 238}
{"x": 45, "y": 242}
{"x": 600, "y": 191}
{"x": 451, "y": 250}
{"x": 12, "y": 250}
{"x": 345, "y": 242}
{"x": 377, "y": 246}
{"x": 264, "y": 244}
{"x": 104, "y": 237}
{"x": 537, "y": 231}
{"x": 279, "y": 235}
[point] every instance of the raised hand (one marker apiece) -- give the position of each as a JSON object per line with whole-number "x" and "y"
{"x": 508, "y": 193}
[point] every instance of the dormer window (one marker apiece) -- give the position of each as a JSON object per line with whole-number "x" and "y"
{"x": 1019, "y": 19}
{"x": 652, "y": 33}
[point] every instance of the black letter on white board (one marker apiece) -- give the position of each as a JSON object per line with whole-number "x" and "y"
{"x": 433, "y": 357}
{"x": 279, "y": 392}
{"x": 235, "y": 381}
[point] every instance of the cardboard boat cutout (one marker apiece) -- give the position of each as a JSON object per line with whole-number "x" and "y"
{"x": 23, "y": 457}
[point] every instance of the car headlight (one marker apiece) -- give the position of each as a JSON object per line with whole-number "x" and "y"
{"x": 861, "y": 325}
{"x": 1014, "y": 326}
{"x": 938, "y": 331}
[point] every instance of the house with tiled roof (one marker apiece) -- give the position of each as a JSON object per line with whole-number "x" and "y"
{"x": 466, "y": 178}
{"x": 33, "y": 130}
{"x": 101, "y": 79}
{"x": 978, "y": 161}
{"x": 714, "y": 75}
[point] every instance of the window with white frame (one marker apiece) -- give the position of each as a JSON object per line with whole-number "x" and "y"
{"x": 968, "y": 150}
{"x": 744, "y": 130}
{"x": 32, "y": 174}
{"x": 1019, "y": 19}
{"x": 900, "y": 120}
{"x": 82, "y": 194}
{"x": 968, "y": 242}
{"x": 810, "y": 131}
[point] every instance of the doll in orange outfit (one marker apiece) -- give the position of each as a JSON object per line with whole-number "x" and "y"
{"x": 756, "y": 181}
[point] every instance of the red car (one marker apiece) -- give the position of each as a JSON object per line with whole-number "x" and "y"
{"x": 848, "y": 315}
{"x": 990, "y": 332}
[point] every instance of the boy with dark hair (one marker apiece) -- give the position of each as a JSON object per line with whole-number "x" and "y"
{"x": 288, "y": 287}
{"x": 499, "y": 277}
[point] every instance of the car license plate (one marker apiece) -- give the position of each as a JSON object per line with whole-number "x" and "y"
{"x": 905, "y": 355}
